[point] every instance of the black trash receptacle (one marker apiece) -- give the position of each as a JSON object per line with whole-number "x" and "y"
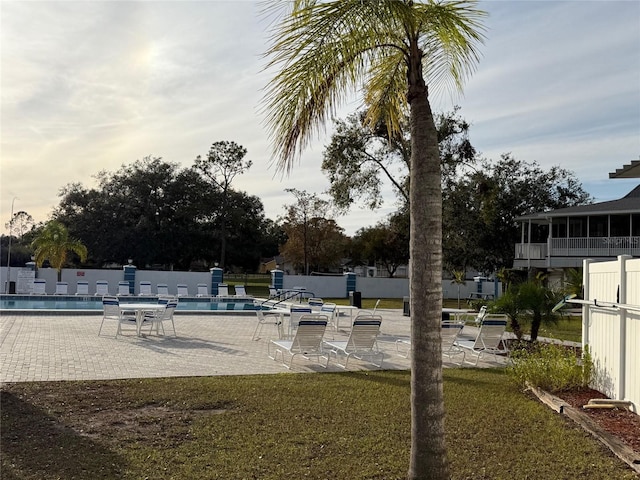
{"x": 12, "y": 287}
{"x": 405, "y": 306}
{"x": 355, "y": 299}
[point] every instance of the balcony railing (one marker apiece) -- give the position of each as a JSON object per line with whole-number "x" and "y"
{"x": 580, "y": 247}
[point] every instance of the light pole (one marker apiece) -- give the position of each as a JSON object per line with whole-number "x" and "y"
{"x": 6, "y": 287}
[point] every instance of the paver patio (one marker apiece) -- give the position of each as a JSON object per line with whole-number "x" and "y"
{"x": 67, "y": 347}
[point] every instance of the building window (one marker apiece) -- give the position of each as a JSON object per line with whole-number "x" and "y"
{"x": 598, "y": 226}
{"x": 559, "y": 228}
{"x": 620, "y": 225}
{"x": 577, "y": 227}
{"x": 635, "y": 225}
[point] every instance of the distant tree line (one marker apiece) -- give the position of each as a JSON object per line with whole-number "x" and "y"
{"x": 165, "y": 217}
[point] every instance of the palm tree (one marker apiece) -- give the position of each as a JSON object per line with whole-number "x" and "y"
{"x": 323, "y": 51}
{"x": 53, "y": 243}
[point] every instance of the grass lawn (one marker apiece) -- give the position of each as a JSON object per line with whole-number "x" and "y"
{"x": 352, "y": 425}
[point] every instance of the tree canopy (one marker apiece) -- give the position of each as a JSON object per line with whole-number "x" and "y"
{"x": 314, "y": 241}
{"x": 361, "y": 156}
{"x": 162, "y": 216}
{"x": 480, "y": 208}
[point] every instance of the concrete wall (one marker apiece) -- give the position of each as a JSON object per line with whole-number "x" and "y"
{"x": 321, "y": 286}
{"x": 378, "y": 287}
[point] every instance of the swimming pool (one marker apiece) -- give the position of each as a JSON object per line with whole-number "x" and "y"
{"x": 93, "y": 304}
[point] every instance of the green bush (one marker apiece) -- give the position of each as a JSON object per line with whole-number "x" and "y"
{"x": 550, "y": 367}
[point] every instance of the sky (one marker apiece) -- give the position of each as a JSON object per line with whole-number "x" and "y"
{"x": 87, "y": 86}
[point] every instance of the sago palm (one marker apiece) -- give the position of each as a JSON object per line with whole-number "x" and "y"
{"x": 394, "y": 50}
{"x": 53, "y": 243}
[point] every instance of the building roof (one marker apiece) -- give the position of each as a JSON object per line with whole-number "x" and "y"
{"x": 631, "y": 170}
{"x": 630, "y": 203}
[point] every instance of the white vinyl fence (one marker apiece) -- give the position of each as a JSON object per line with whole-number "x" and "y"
{"x": 613, "y": 332}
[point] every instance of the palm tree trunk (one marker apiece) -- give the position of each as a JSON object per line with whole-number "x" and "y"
{"x": 428, "y": 449}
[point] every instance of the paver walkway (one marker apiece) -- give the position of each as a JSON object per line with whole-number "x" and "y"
{"x": 67, "y": 347}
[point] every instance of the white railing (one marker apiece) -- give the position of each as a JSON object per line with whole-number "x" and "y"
{"x": 531, "y": 251}
{"x": 580, "y": 247}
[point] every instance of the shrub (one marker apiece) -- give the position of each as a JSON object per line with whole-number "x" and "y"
{"x": 550, "y": 367}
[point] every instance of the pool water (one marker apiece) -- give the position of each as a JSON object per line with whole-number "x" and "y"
{"x": 89, "y": 303}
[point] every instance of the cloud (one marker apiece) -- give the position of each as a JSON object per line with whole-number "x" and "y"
{"x": 92, "y": 85}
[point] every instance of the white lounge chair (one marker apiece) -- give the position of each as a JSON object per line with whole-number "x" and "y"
{"x": 315, "y": 303}
{"x": 307, "y": 341}
{"x": 112, "y": 311}
{"x": 123, "y": 288}
{"x": 295, "y": 314}
{"x": 449, "y": 333}
{"x": 240, "y": 291}
{"x": 370, "y": 312}
{"x": 223, "y": 290}
{"x": 203, "y": 291}
{"x": 489, "y": 339}
{"x": 39, "y": 286}
{"x": 361, "y": 343}
{"x": 183, "y": 290}
{"x": 331, "y": 311}
{"x": 481, "y": 314}
{"x": 62, "y": 288}
{"x": 82, "y": 288}
{"x": 102, "y": 287}
{"x": 162, "y": 290}
{"x": 144, "y": 289}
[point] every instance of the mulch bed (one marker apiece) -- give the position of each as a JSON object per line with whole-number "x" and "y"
{"x": 620, "y": 422}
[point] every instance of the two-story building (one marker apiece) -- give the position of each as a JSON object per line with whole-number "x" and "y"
{"x": 562, "y": 238}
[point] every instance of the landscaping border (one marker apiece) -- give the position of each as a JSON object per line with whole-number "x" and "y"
{"x": 619, "y": 448}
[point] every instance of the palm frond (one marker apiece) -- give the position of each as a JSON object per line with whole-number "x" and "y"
{"x": 325, "y": 51}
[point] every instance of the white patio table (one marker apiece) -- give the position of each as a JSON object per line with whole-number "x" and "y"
{"x": 140, "y": 309}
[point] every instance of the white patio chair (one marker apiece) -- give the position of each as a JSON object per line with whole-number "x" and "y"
{"x": 112, "y": 311}
{"x": 62, "y": 288}
{"x": 183, "y": 290}
{"x": 223, "y": 290}
{"x": 82, "y": 288}
{"x": 274, "y": 293}
{"x": 361, "y": 343}
{"x": 123, "y": 288}
{"x": 162, "y": 290}
{"x": 265, "y": 317}
{"x": 39, "y": 286}
{"x": 489, "y": 339}
{"x": 102, "y": 287}
{"x": 157, "y": 319}
{"x": 307, "y": 341}
{"x": 144, "y": 289}
{"x": 240, "y": 291}
{"x": 203, "y": 290}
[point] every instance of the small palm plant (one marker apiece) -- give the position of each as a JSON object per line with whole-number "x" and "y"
{"x": 53, "y": 243}
{"x": 458, "y": 279}
{"x": 573, "y": 282}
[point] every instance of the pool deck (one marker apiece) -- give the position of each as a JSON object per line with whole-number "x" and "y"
{"x": 67, "y": 347}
